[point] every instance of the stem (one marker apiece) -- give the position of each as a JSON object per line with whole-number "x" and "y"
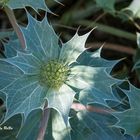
{"x": 13, "y": 21}
{"x": 115, "y": 47}
{"x": 100, "y": 16}
{"x": 130, "y": 18}
{"x": 43, "y": 123}
{"x": 108, "y": 29}
{"x": 90, "y": 108}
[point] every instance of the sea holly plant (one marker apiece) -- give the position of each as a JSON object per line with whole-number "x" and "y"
{"x": 62, "y": 91}
{"x": 50, "y": 69}
{"x": 50, "y": 73}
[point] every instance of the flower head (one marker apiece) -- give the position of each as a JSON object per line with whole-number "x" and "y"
{"x": 53, "y": 74}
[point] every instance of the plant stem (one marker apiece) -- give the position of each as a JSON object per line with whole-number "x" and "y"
{"x": 13, "y": 21}
{"x": 108, "y": 29}
{"x": 114, "y": 47}
{"x": 130, "y": 18}
{"x": 90, "y": 108}
{"x": 43, "y": 123}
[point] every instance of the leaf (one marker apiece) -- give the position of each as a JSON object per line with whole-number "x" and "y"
{"x": 107, "y": 5}
{"x": 134, "y": 7}
{"x": 94, "y": 59}
{"x": 138, "y": 40}
{"x": 137, "y": 57}
{"x": 2, "y": 97}
{"x": 94, "y": 125}
{"x": 123, "y": 103}
{"x": 57, "y": 129}
{"x": 18, "y": 4}
{"x": 10, "y": 129}
{"x": 13, "y": 45}
{"x": 129, "y": 119}
{"x": 8, "y": 73}
{"x": 1, "y": 55}
{"x": 95, "y": 78}
{"x": 73, "y": 48}
{"x": 40, "y": 39}
{"x": 30, "y": 129}
{"x": 25, "y": 60}
{"x": 61, "y": 100}
{"x": 23, "y": 96}
{"x": 5, "y": 34}
{"x": 10, "y": 47}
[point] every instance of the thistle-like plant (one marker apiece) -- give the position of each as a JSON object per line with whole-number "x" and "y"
{"x": 42, "y": 81}
{"x": 49, "y": 73}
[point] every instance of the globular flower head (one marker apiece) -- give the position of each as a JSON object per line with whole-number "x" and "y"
{"x": 53, "y": 74}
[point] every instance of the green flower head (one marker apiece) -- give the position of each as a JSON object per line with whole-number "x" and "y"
{"x": 53, "y": 74}
{"x": 47, "y": 71}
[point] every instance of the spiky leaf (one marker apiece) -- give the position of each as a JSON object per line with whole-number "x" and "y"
{"x": 12, "y": 46}
{"x": 100, "y": 69}
{"x": 56, "y": 128}
{"x": 8, "y": 73}
{"x": 129, "y": 119}
{"x": 31, "y": 126}
{"x": 94, "y": 125}
{"x": 18, "y": 4}
{"x": 107, "y": 5}
{"x": 10, "y": 129}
